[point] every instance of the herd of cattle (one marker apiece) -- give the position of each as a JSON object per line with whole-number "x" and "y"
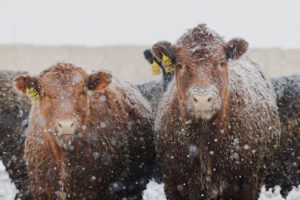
{"x": 214, "y": 127}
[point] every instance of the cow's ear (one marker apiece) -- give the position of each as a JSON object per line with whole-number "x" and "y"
{"x": 99, "y": 80}
{"x": 148, "y": 56}
{"x": 235, "y": 48}
{"x": 166, "y": 48}
{"x": 23, "y": 82}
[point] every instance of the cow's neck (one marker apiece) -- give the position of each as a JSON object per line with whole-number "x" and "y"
{"x": 60, "y": 157}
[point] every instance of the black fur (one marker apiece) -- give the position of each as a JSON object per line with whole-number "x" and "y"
{"x": 167, "y": 77}
{"x": 14, "y": 110}
{"x": 286, "y": 169}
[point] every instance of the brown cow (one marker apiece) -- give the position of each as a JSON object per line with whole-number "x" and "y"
{"x": 286, "y": 169}
{"x": 218, "y": 124}
{"x": 87, "y": 137}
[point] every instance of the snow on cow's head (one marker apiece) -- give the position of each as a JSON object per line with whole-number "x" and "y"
{"x": 60, "y": 95}
{"x": 200, "y": 58}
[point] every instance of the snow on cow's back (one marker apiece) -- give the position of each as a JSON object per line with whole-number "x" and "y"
{"x": 254, "y": 81}
{"x": 253, "y": 95}
{"x": 133, "y": 95}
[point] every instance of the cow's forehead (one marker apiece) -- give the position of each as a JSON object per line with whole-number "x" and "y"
{"x": 58, "y": 82}
{"x": 201, "y": 55}
{"x": 200, "y": 45}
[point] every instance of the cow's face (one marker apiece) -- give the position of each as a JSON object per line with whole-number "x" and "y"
{"x": 201, "y": 69}
{"x": 63, "y": 98}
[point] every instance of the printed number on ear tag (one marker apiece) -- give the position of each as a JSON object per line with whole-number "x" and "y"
{"x": 155, "y": 68}
{"x": 167, "y": 63}
{"x": 32, "y": 94}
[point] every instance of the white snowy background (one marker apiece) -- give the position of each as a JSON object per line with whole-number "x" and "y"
{"x": 263, "y": 23}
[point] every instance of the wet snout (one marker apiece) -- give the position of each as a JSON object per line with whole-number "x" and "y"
{"x": 66, "y": 127}
{"x": 203, "y": 101}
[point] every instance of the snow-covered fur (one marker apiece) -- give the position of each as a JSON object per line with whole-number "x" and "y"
{"x": 14, "y": 110}
{"x": 226, "y": 155}
{"x": 152, "y": 91}
{"x": 111, "y": 155}
{"x": 286, "y": 171}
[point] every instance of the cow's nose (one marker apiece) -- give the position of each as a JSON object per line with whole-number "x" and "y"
{"x": 203, "y": 101}
{"x": 66, "y": 127}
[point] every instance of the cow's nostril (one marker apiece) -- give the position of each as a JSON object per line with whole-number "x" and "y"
{"x": 209, "y": 99}
{"x": 195, "y": 100}
{"x": 72, "y": 124}
{"x": 60, "y": 125}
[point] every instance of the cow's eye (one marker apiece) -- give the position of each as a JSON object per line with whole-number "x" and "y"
{"x": 44, "y": 94}
{"x": 188, "y": 68}
{"x": 222, "y": 64}
{"x": 82, "y": 93}
{"x": 179, "y": 66}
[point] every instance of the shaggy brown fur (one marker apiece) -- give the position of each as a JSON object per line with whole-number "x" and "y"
{"x": 112, "y": 149}
{"x": 223, "y": 156}
{"x": 14, "y": 112}
{"x": 286, "y": 169}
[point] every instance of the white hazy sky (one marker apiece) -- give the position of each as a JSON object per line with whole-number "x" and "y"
{"x": 263, "y": 23}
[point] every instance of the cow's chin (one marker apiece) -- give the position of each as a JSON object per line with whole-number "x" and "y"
{"x": 65, "y": 141}
{"x": 204, "y": 115}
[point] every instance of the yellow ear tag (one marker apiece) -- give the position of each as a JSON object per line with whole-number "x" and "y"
{"x": 155, "y": 68}
{"x": 167, "y": 63}
{"x": 32, "y": 94}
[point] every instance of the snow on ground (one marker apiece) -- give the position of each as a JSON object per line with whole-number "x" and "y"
{"x": 154, "y": 190}
{"x": 269, "y": 195}
{"x": 7, "y": 189}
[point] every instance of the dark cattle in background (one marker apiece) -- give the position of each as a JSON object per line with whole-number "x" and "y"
{"x": 14, "y": 110}
{"x": 166, "y": 77}
{"x": 152, "y": 91}
{"x": 286, "y": 171}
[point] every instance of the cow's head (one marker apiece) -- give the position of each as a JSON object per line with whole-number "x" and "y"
{"x": 167, "y": 77}
{"x": 62, "y": 98}
{"x": 200, "y": 58}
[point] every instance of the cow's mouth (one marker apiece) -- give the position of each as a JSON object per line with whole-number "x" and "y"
{"x": 66, "y": 134}
{"x": 65, "y": 140}
{"x": 204, "y": 115}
